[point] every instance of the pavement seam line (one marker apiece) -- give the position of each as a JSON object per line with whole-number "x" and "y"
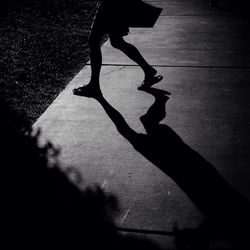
{"x": 175, "y": 66}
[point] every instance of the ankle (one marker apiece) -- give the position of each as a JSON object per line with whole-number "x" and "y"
{"x": 150, "y": 72}
{"x": 94, "y": 83}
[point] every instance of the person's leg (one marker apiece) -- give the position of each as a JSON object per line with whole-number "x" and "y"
{"x": 133, "y": 53}
{"x": 95, "y": 58}
{"x": 93, "y": 87}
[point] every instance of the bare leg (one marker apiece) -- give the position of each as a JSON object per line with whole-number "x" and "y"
{"x": 93, "y": 87}
{"x": 133, "y": 53}
{"x": 95, "y": 60}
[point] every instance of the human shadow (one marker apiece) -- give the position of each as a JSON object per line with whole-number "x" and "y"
{"x": 239, "y": 10}
{"x": 41, "y": 207}
{"x": 223, "y": 206}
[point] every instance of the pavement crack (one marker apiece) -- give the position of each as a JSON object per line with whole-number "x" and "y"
{"x": 117, "y": 68}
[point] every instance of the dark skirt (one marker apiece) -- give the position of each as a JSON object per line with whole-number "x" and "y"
{"x": 108, "y": 20}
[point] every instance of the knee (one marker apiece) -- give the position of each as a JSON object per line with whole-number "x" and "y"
{"x": 116, "y": 43}
{"x": 94, "y": 45}
{"x": 94, "y": 42}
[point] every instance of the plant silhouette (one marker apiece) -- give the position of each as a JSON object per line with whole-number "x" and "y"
{"x": 41, "y": 208}
{"x": 223, "y": 206}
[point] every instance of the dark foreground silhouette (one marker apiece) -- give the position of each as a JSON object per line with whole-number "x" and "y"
{"x": 223, "y": 206}
{"x": 41, "y": 208}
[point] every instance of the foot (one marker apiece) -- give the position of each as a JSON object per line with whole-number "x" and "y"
{"x": 150, "y": 72}
{"x": 150, "y": 79}
{"x": 88, "y": 90}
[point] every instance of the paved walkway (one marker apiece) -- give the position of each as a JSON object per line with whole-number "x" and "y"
{"x": 204, "y": 56}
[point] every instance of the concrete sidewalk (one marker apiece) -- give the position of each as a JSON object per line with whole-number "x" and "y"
{"x": 204, "y": 56}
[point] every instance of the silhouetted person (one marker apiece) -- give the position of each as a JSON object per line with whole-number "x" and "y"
{"x": 111, "y": 19}
{"x": 225, "y": 208}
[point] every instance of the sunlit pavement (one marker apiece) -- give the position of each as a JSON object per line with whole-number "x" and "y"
{"x": 203, "y": 54}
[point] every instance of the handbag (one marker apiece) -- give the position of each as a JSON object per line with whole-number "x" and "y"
{"x": 141, "y": 14}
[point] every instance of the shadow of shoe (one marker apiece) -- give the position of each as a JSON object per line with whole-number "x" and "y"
{"x": 157, "y": 111}
{"x": 147, "y": 83}
{"x": 156, "y": 92}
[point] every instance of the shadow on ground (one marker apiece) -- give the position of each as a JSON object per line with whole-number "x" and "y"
{"x": 238, "y": 8}
{"x": 226, "y": 210}
{"x": 41, "y": 207}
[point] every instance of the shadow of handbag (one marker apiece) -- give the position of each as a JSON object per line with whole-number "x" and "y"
{"x": 141, "y": 14}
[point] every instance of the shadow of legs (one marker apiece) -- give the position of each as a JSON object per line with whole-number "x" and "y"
{"x": 224, "y": 207}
